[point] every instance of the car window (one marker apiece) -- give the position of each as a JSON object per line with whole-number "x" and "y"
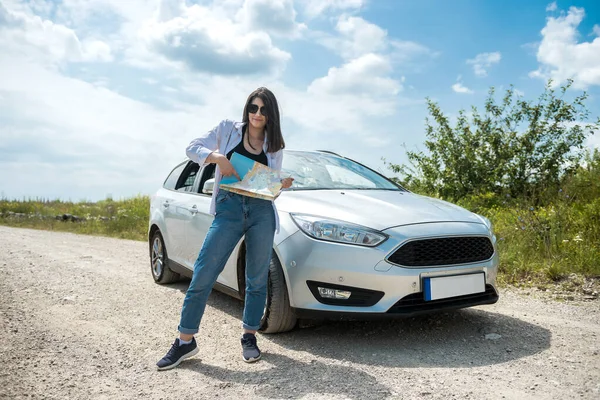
{"x": 186, "y": 181}
{"x": 173, "y": 177}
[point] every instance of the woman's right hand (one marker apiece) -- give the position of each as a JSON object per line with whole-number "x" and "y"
{"x": 226, "y": 167}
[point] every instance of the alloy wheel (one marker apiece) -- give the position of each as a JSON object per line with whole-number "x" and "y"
{"x": 157, "y": 257}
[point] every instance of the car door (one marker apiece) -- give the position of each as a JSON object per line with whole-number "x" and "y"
{"x": 177, "y": 214}
{"x": 199, "y": 219}
{"x": 165, "y": 202}
{"x": 199, "y": 223}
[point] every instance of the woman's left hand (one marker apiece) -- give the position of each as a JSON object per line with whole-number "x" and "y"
{"x": 286, "y": 182}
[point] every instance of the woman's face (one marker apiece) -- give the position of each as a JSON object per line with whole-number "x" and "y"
{"x": 257, "y": 119}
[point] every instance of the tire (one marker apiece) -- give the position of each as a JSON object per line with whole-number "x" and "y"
{"x": 158, "y": 261}
{"x": 278, "y": 316}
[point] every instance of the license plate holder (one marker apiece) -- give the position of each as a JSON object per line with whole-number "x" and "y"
{"x": 443, "y": 287}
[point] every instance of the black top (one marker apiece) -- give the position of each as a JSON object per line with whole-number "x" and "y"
{"x": 240, "y": 149}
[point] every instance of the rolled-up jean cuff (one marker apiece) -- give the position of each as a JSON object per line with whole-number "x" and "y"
{"x": 250, "y": 328}
{"x": 187, "y": 331}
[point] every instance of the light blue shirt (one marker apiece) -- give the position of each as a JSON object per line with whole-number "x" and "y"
{"x": 224, "y": 138}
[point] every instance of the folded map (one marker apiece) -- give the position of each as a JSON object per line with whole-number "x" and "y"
{"x": 258, "y": 180}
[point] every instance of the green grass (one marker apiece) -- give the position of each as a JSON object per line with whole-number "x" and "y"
{"x": 553, "y": 241}
{"x": 537, "y": 245}
{"x": 548, "y": 244}
{"x": 124, "y": 219}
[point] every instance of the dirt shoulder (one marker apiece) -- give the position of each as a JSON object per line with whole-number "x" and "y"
{"x": 80, "y": 317}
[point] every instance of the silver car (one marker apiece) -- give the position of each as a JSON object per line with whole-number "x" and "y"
{"x": 352, "y": 244}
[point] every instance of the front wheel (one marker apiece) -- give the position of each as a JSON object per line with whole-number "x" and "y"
{"x": 278, "y": 316}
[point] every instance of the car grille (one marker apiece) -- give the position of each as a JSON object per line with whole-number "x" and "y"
{"x": 415, "y": 303}
{"x": 443, "y": 251}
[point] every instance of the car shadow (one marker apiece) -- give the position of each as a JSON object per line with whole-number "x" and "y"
{"x": 460, "y": 339}
{"x": 182, "y": 285}
{"x": 471, "y": 337}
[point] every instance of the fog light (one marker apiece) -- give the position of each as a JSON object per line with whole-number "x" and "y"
{"x": 334, "y": 293}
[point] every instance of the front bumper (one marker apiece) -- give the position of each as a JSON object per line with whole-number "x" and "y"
{"x": 409, "y": 306}
{"x": 308, "y": 260}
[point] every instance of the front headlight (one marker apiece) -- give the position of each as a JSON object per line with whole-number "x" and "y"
{"x": 338, "y": 231}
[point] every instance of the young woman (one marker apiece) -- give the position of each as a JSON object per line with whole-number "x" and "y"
{"x": 258, "y": 137}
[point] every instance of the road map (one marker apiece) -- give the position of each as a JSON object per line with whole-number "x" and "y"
{"x": 258, "y": 180}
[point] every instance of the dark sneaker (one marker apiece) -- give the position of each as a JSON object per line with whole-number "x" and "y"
{"x": 177, "y": 354}
{"x": 250, "y": 351}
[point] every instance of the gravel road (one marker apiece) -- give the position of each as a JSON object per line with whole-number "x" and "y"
{"x": 81, "y": 318}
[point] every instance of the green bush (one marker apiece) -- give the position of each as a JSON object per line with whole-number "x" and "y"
{"x": 550, "y": 242}
{"x": 522, "y": 164}
{"x": 547, "y": 243}
{"x": 125, "y": 219}
{"x": 513, "y": 146}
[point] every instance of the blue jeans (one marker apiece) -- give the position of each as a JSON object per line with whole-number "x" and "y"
{"x": 235, "y": 217}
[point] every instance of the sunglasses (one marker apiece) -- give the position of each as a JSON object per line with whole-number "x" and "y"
{"x": 253, "y": 109}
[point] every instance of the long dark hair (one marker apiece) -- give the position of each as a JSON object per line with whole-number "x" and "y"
{"x": 275, "y": 140}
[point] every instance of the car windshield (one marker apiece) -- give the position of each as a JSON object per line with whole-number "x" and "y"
{"x": 312, "y": 170}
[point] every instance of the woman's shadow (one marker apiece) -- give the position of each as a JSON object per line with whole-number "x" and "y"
{"x": 291, "y": 378}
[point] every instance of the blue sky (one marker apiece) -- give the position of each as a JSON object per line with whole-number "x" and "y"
{"x": 101, "y": 97}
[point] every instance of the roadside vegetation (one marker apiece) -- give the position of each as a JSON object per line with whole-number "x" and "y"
{"x": 523, "y": 164}
{"x": 124, "y": 219}
{"x": 552, "y": 241}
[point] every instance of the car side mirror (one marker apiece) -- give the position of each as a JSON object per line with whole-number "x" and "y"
{"x": 209, "y": 186}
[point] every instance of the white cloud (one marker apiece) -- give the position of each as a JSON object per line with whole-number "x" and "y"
{"x": 367, "y": 74}
{"x": 46, "y": 41}
{"x": 403, "y": 51}
{"x": 314, "y": 8}
{"x": 359, "y": 37}
{"x": 340, "y": 122}
{"x": 483, "y": 61}
{"x": 116, "y": 22}
{"x": 68, "y": 136}
{"x": 38, "y": 7}
{"x": 551, "y": 7}
{"x": 136, "y": 20}
{"x": 128, "y": 15}
{"x": 345, "y": 101}
{"x": 314, "y": 114}
{"x": 169, "y": 9}
{"x": 561, "y": 56}
{"x": 61, "y": 136}
{"x": 207, "y": 42}
{"x": 272, "y": 16}
{"x": 96, "y": 50}
{"x": 458, "y": 87}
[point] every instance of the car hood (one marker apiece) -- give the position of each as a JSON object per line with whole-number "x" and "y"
{"x": 377, "y": 209}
